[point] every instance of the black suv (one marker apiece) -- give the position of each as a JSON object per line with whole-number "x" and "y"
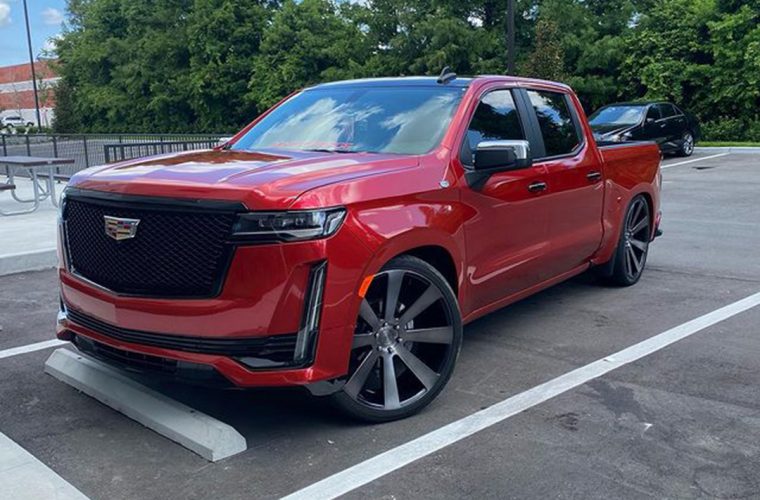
{"x": 663, "y": 122}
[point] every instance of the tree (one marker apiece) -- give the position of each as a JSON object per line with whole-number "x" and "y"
{"x": 306, "y": 43}
{"x": 547, "y": 59}
{"x": 212, "y": 65}
{"x": 126, "y": 64}
{"x": 224, "y": 38}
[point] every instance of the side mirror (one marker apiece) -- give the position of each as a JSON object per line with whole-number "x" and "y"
{"x": 497, "y": 156}
{"x": 649, "y": 121}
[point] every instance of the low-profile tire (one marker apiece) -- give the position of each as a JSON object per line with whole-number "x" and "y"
{"x": 633, "y": 245}
{"x": 405, "y": 345}
{"x": 687, "y": 145}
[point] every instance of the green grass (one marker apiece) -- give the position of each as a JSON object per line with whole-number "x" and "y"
{"x": 713, "y": 144}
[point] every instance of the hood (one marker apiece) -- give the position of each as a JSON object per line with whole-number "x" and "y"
{"x": 271, "y": 179}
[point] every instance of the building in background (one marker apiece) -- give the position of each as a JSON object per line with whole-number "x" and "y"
{"x": 17, "y": 91}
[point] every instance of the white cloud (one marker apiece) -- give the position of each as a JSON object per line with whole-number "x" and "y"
{"x": 52, "y": 16}
{"x": 48, "y": 49}
{"x": 5, "y": 14}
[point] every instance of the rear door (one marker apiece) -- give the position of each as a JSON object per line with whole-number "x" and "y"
{"x": 668, "y": 125}
{"x": 678, "y": 124}
{"x": 506, "y": 233}
{"x": 575, "y": 191}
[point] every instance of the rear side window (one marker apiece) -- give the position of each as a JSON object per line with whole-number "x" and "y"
{"x": 666, "y": 110}
{"x": 561, "y": 136}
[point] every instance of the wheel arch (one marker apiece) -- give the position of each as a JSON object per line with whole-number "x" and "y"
{"x": 437, "y": 248}
{"x": 440, "y": 258}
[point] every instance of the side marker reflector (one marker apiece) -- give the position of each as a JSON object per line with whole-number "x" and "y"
{"x": 365, "y": 285}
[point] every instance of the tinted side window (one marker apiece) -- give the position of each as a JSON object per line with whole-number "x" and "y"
{"x": 557, "y": 125}
{"x": 653, "y": 113}
{"x": 666, "y": 110}
{"x": 495, "y": 119}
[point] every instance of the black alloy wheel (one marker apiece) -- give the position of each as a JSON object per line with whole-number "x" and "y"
{"x": 633, "y": 247}
{"x": 405, "y": 345}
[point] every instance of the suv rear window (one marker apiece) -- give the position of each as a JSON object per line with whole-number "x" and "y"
{"x": 558, "y": 128}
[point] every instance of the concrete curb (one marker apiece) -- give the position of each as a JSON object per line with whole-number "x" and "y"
{"x": 28, "y": 261}
{"x": 728, "y": 149}
{"x": 198, "y": 432}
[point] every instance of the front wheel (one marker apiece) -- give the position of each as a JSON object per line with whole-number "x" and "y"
{"x": 405, "y": 345}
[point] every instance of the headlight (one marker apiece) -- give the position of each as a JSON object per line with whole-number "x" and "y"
{"x": 262, "y": 227}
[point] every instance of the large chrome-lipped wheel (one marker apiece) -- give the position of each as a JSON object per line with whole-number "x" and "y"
{"x": 633, "y": 247}
{"x": 406, "y": 342}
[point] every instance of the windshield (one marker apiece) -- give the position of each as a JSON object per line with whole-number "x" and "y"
{"x": 618, "y": 115}
{"x": 403, "y": 120}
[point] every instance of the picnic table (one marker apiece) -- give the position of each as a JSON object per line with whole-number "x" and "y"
{"x": 43, "y": 177}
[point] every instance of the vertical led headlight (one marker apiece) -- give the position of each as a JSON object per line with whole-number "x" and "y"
{"x": 307, "y": 334}
{"x": 63, "y": 253}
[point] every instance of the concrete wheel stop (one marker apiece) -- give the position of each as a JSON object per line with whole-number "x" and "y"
{"x": 196, "y": 431}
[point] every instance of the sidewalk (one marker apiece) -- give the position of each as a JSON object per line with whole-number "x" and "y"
{"x": 27, "y": 242}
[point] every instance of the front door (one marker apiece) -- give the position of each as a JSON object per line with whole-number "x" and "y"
{"x": 506, "y": 230}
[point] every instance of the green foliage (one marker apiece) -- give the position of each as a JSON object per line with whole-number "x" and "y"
{"x": 547, "y": 60}
{"x": 731, "y": 129}
{"x": 306, "y": 43}
{"x": 224, "y": 40}
{"x": 213, "y": 65}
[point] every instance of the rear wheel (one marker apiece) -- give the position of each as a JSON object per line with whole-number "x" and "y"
{"x": 687, "y": 146}
{"x": 405, "y": 345}
{"x": 633, "y": 246}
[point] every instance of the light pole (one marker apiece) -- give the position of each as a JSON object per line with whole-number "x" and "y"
{"x": 31, "y": 63}
{"x": 510, "y": 37}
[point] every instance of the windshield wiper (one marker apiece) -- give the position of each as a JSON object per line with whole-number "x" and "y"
{"x": 324, "y": 150}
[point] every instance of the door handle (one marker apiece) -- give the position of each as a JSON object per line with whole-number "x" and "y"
{"x": 536, "y": 187}
{"x": 594, "y": 176}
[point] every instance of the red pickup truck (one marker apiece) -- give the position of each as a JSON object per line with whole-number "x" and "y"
{"x": 341, "y": 240}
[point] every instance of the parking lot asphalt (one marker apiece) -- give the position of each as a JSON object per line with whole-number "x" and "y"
{"x": 682, "y": 422}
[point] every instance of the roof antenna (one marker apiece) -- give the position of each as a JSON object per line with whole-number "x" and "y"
{"x": 446, "y": 75}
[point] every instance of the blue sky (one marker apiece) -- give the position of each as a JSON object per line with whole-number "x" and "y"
{"x": 45, "y": 17}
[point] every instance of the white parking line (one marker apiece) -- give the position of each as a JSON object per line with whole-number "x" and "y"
{"x": 694, "y": 160}
{"x": 396, "y": 458}
{"x": 24, "y": 477}
{"x": 14, "y": 351}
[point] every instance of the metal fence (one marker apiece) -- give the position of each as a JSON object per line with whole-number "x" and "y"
{"x": 88, "y": 150}
{"x": 127, "y": 151}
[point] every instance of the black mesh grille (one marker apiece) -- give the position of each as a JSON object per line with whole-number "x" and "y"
{"x": 175, "y": 253}
{"x": 275, "y": 348}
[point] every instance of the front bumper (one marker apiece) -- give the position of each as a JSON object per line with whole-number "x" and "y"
{"x": 270, "y": 300}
